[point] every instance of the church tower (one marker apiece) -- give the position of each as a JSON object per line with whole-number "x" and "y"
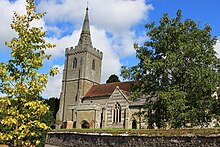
{"x": 82, "y": 69}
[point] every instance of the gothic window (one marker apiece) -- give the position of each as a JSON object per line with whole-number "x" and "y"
{"x": 117, "y": 113}
{"x": 93, "y": 65}
{"x": 74, "y": 63}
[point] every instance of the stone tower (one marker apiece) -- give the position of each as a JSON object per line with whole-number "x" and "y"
{"x": 82, "y": 69}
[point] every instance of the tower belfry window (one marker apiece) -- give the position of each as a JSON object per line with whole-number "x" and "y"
{"x": 93, "y": 65}
{"x": 74, "y": 63}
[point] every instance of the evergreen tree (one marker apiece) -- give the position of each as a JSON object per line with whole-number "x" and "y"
{"x": 53, "y": 104}
{"x": 113, "y": 78}
{"x": 179, "y": 69}
{"x": 24, "y": 117}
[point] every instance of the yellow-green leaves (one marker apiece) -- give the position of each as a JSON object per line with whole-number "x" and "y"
{"x": 24, "y": 118}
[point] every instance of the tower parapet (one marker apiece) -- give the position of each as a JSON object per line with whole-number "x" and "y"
{"x": 77, "y": 50}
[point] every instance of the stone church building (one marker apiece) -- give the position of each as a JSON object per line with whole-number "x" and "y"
{"x": 84, "y": 102}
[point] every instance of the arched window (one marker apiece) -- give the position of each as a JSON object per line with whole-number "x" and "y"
{"x": 93, "y": 65}
{"x": 117, "y": 113}
{"x": 74, "y": 63}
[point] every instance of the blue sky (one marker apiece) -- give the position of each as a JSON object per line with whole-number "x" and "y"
{"x": 115, "y": 26}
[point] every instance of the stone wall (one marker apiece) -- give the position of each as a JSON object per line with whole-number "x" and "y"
{"x": 76, "y": 139}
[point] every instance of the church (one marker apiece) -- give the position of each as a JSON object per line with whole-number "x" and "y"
{"x": 84, "y": 102}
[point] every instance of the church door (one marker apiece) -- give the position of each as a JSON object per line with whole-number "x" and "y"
{"x": 134, "y": 124}
{"x": 84, "y": 124}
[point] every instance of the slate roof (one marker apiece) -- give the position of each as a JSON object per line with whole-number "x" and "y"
{"x": 107, "y": 89}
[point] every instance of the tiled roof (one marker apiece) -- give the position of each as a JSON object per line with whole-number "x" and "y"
{"x": 107, "y": 89}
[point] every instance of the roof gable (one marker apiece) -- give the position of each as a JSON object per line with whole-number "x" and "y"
{"x": 108, "y": 89}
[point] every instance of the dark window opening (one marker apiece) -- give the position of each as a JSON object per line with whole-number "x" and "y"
{"x": 76, "y": 98}
{"x": 93, "y": 65}
{"x": 101, "y": 120}
{"x": 74, "y": 63}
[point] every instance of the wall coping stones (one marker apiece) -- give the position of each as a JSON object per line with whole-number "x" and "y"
{"x": 143, "y": 132}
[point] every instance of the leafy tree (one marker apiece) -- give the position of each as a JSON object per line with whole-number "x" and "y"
{"x": 113, "y": 78}
{"x": 179, "y": 69}
{"x": 53, "y": 104}
{"x": 23, "y": 115}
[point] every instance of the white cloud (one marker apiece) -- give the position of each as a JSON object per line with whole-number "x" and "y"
{"x": 111, "y": 15}
{"x": 2, "y": 95}
{"x": 63, "y": 43}
{"x": 54, "y": 84}
{"x": 217, "y": 47}
{"x": 115, "y": 17}
{"x": 111, "y": 63}
{"x": 6, "y": 11}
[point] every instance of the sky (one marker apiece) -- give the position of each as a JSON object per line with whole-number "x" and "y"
{"x": 115, "y": 26}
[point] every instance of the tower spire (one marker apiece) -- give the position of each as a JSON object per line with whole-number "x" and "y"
{"x": 85, "y": 37}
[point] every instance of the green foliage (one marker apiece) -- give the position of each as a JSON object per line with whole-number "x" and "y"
{"x": 179, "y": 69}
{"x": 24, "y": 118}
{"x": 53, "y": 104}
{"x": 113, "y": 78}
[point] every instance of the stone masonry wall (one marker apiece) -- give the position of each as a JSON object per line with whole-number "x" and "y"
{"x": 74, "y": 139}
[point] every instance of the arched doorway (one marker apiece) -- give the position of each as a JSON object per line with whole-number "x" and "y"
{"x": 84, "y": 124}
{"x": 134, "y": 124}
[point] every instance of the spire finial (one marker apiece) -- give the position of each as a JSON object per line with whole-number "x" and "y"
{"x": 87, "y": 8}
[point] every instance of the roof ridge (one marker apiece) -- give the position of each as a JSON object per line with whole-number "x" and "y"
{"x": 114, "y": 83}
{"x": 108, "y": 88}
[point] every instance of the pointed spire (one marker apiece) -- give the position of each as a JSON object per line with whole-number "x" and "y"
{"x": 85, "y": 38}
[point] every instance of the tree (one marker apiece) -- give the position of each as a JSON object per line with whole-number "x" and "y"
{"x": 23, "y": 114}
{"x": 179, "y": 69}
{"x": 113, "y": 78}
{"x": 53, "y": 104}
